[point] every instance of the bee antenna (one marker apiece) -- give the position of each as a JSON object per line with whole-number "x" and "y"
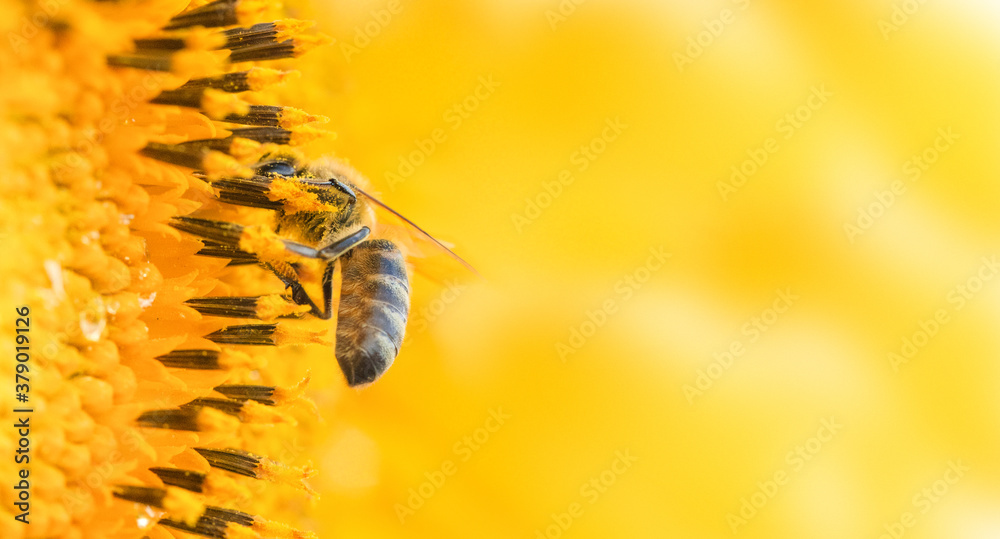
{"x": 422, "y": 231}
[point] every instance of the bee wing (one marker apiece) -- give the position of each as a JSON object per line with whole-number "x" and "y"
{"x": 419, "y": 243}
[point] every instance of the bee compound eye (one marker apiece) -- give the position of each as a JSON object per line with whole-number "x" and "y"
{"x": 277, "y": 168}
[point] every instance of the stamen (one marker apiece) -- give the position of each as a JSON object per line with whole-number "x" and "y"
{"x": 170, "y": 419}
{"x": 178, "y": 502}
{"x": 277, "y": 306}
{"x": 252, "y": 80}
{"x": 250, "y": 192}
{"x": 218, "y": 104}
{"x": 269, "y": 395}
{"x": 185, "y": 479}
{"x": 181, "y": 97}
{"x": 232, "y": 460}
{"x": 216, "y": 529}
{"x": 144, "y": 495}
{"x": 266, "y": 335}
{"x": 222, "y": 523}
{"x": 213, "y": 483}
{"x": 204, "y": 360}
{"x": 218, "y": 231}
{"x": 294, "y": 137}
{"x": 229, "y": 307}
{"x": 245, "y": 463}
{"x": 226, "y": 406}
{"x": 245, "y": 411}
{"x": 220, "y": 165}
{"x": 250, "y": 334}
{"x": 218, "y": 13}
{"x": 289, "y": 48}
{"x": 214, "y": 163}
{"x": 219, "y": 250}
{"x": 264, "y": 134}
{"x": 229, "y": 515}
{"x": 273, "y": 116}
{"x": 237, "y": 147}
{"x": 196, "y": 39}
{"x": 264, "y": 308}
{"x": 268, "y": 32}
{"x": 185, "y": 63}
{"x": 195, "y": 419}
{"x": 150, "y": 63}
{"x": 261, "y": 394}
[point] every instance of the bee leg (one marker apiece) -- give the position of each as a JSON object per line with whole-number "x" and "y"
{"x": 336, "y": 249}
{"x": 286, "y": 273}
{"x": 328, "y": 291}
{"x": 227, "y": 235}
{"x": 351, "y": 197}
{"x": 330, "y": 253}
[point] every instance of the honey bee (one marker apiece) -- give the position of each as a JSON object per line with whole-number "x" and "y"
{"x": 321, "y": 213}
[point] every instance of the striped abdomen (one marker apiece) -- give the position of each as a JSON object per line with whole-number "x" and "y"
{"x": 371, "y": 317}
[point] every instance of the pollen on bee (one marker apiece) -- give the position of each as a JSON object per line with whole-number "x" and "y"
{"x": 296, "y": 199}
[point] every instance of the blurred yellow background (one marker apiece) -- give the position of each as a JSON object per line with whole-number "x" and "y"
{"x": 739, "y": 263}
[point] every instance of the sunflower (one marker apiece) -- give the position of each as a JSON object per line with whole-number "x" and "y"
{"x": 145, "y": 413}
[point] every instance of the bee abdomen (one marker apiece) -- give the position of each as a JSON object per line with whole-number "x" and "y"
{"x": 371, "y": 317}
